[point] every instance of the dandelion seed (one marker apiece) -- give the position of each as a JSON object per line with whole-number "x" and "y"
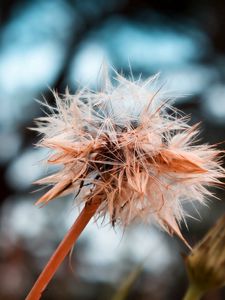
{"x": 130, "y": 149}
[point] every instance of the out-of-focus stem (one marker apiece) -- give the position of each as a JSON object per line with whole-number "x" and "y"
{"x": 63, "y": 249}
{"x": 127, "y": 284}
{"x": 193, "y": 293}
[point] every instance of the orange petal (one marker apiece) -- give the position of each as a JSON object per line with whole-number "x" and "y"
{"x": 171, "y": 226}
{"x": 179, "y": 162}
{"x": 55, "y": 191}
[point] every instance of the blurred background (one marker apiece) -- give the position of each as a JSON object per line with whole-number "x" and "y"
{"x": 54, "y": 44}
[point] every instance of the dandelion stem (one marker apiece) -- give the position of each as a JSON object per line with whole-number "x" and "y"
{"x": 193, "y": 293}
{"x": 63, "y": 249}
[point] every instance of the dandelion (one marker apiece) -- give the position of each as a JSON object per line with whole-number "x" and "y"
{"x": 206, "y": 263}
{"x": 127, "y": 153}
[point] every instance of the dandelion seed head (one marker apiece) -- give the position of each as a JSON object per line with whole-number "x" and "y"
{"x": 129, "y": 146}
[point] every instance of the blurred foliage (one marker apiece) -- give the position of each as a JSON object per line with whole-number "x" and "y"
{"x": 206, "y": 263}
{"x": 127, "y": 283}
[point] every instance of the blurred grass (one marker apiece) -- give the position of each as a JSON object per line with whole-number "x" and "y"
{"x": 128, "y": 282}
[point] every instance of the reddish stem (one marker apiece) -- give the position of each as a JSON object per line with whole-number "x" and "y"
{"x": 62, "y": 250}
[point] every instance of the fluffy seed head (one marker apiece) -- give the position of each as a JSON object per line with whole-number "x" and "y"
{"x": 127, "y": 145}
